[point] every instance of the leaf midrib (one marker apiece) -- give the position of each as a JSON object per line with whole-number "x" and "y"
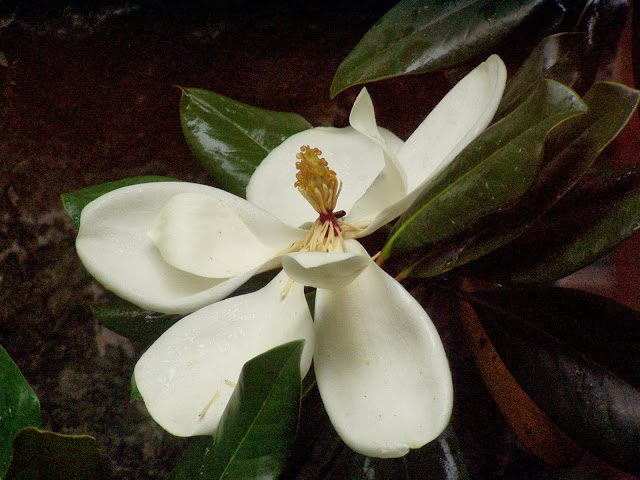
{"x": 250, "y": 428}
{"x": 220, "y": 114}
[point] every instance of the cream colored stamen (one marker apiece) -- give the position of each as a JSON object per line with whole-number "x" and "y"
{"x": 209, "y": 403}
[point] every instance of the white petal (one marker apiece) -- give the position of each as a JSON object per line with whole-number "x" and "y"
{"x": 455, "y": 122}
{"x": 363, "y": 118}
{"x": 356, "y": 159}
{"x": 390, "y": 184}
{"x": 210, "y": 236}
{"x": 200, "y": 357}
{"x": 459, "y": 118}
{"x": 381, "y": 369}
{"x": 328, "y": 270}
{"x": 114, "y": 246}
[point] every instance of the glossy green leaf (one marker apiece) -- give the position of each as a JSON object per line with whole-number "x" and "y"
{"x": 570, "y": 150}
{"x": 419, "y": 35}
{"x": 598, "y": 214}
{"x": 565, "y": 242}
{"x": 40, "y": 454}
{"x": 490, "y": 174}
{"x": 577, "y": 143}
{"x": 130, "y": 321}
{"x": 74, "y": 202}
{"x": 559, "y": 57}
{"x": 573, "y": 59}
{"x": 312, "y": 416}
{"x": 19, "y": 407}
{"x": 548, "y": 339}
{"x": 258, "y": 427}
{"x": 599, "y": 327}
{"x": 230, "y": 138}
{"x": 604, "y": 22}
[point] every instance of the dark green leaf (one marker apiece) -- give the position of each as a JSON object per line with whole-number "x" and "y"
{"x": 490, "y": 174}
{"x": 575, "y": 145}
{"x": 190, "y": 461}
{"x": 570, "y": 150}
{"x": 317, "y": 445}
{"x": 573, "y": 59}
{"x": 230, "y": 138}
{"x": 442, "y": 459}
{"x": 559, "y": 57}
{"x": 565, "y": 349}
{"x": 258, "y": 427}
{"x": 130, "y": 321}
{"x": 418, "y": 35}
{"x": 41, "y": 454}
{"x": 74, "y": 202}
{"x": 580, "y": 229}
{"x": 604, "y": 22}
{"x": 255, "y": 283}
{"x": 19, "y": 407}
{"x": 599, "y": 327}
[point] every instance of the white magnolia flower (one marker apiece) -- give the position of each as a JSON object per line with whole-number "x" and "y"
{"x": 178, "y": 248}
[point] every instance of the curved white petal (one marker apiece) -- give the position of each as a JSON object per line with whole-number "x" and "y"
{"x": 363, "y": 118}
{"x": 210, "y": 236}
{"x": 459, "y": 118}
{"x": 454, "y": 123}
{"x": 390, "y": 184}
{"x": 187, "y": 376}
{"x": 356, "y": 159}
{"x": 114, "y": 246}
{"x": 329, "y": 270}
{"x": 381, "y": 369}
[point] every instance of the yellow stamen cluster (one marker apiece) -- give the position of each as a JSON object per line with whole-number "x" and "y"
{"x": 321, "y": 187}
{"x": 315, "y": 181}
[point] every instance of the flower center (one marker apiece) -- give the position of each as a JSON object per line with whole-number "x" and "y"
{"x": 314, "y": 180}
{"x": 320, "y": 187}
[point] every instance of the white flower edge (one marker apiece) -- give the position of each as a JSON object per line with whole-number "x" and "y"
{"x": 114, "y": 245}
{"x": 355, "y": 158}
{"x": 463, "y": 114}
{"x": 389, "y": 186}
{"x": 188, "y": 375}
{"x": 329, "y": 270}
{"x": 206, "y": 235}
{"x": 381, "y": 368}
{"x": 372, "y": 175}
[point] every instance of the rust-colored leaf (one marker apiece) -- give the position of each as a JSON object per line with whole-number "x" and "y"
{"x": 536, "y": 431}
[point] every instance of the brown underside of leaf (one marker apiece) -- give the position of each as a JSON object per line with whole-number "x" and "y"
{"x": 536, "y": 431}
